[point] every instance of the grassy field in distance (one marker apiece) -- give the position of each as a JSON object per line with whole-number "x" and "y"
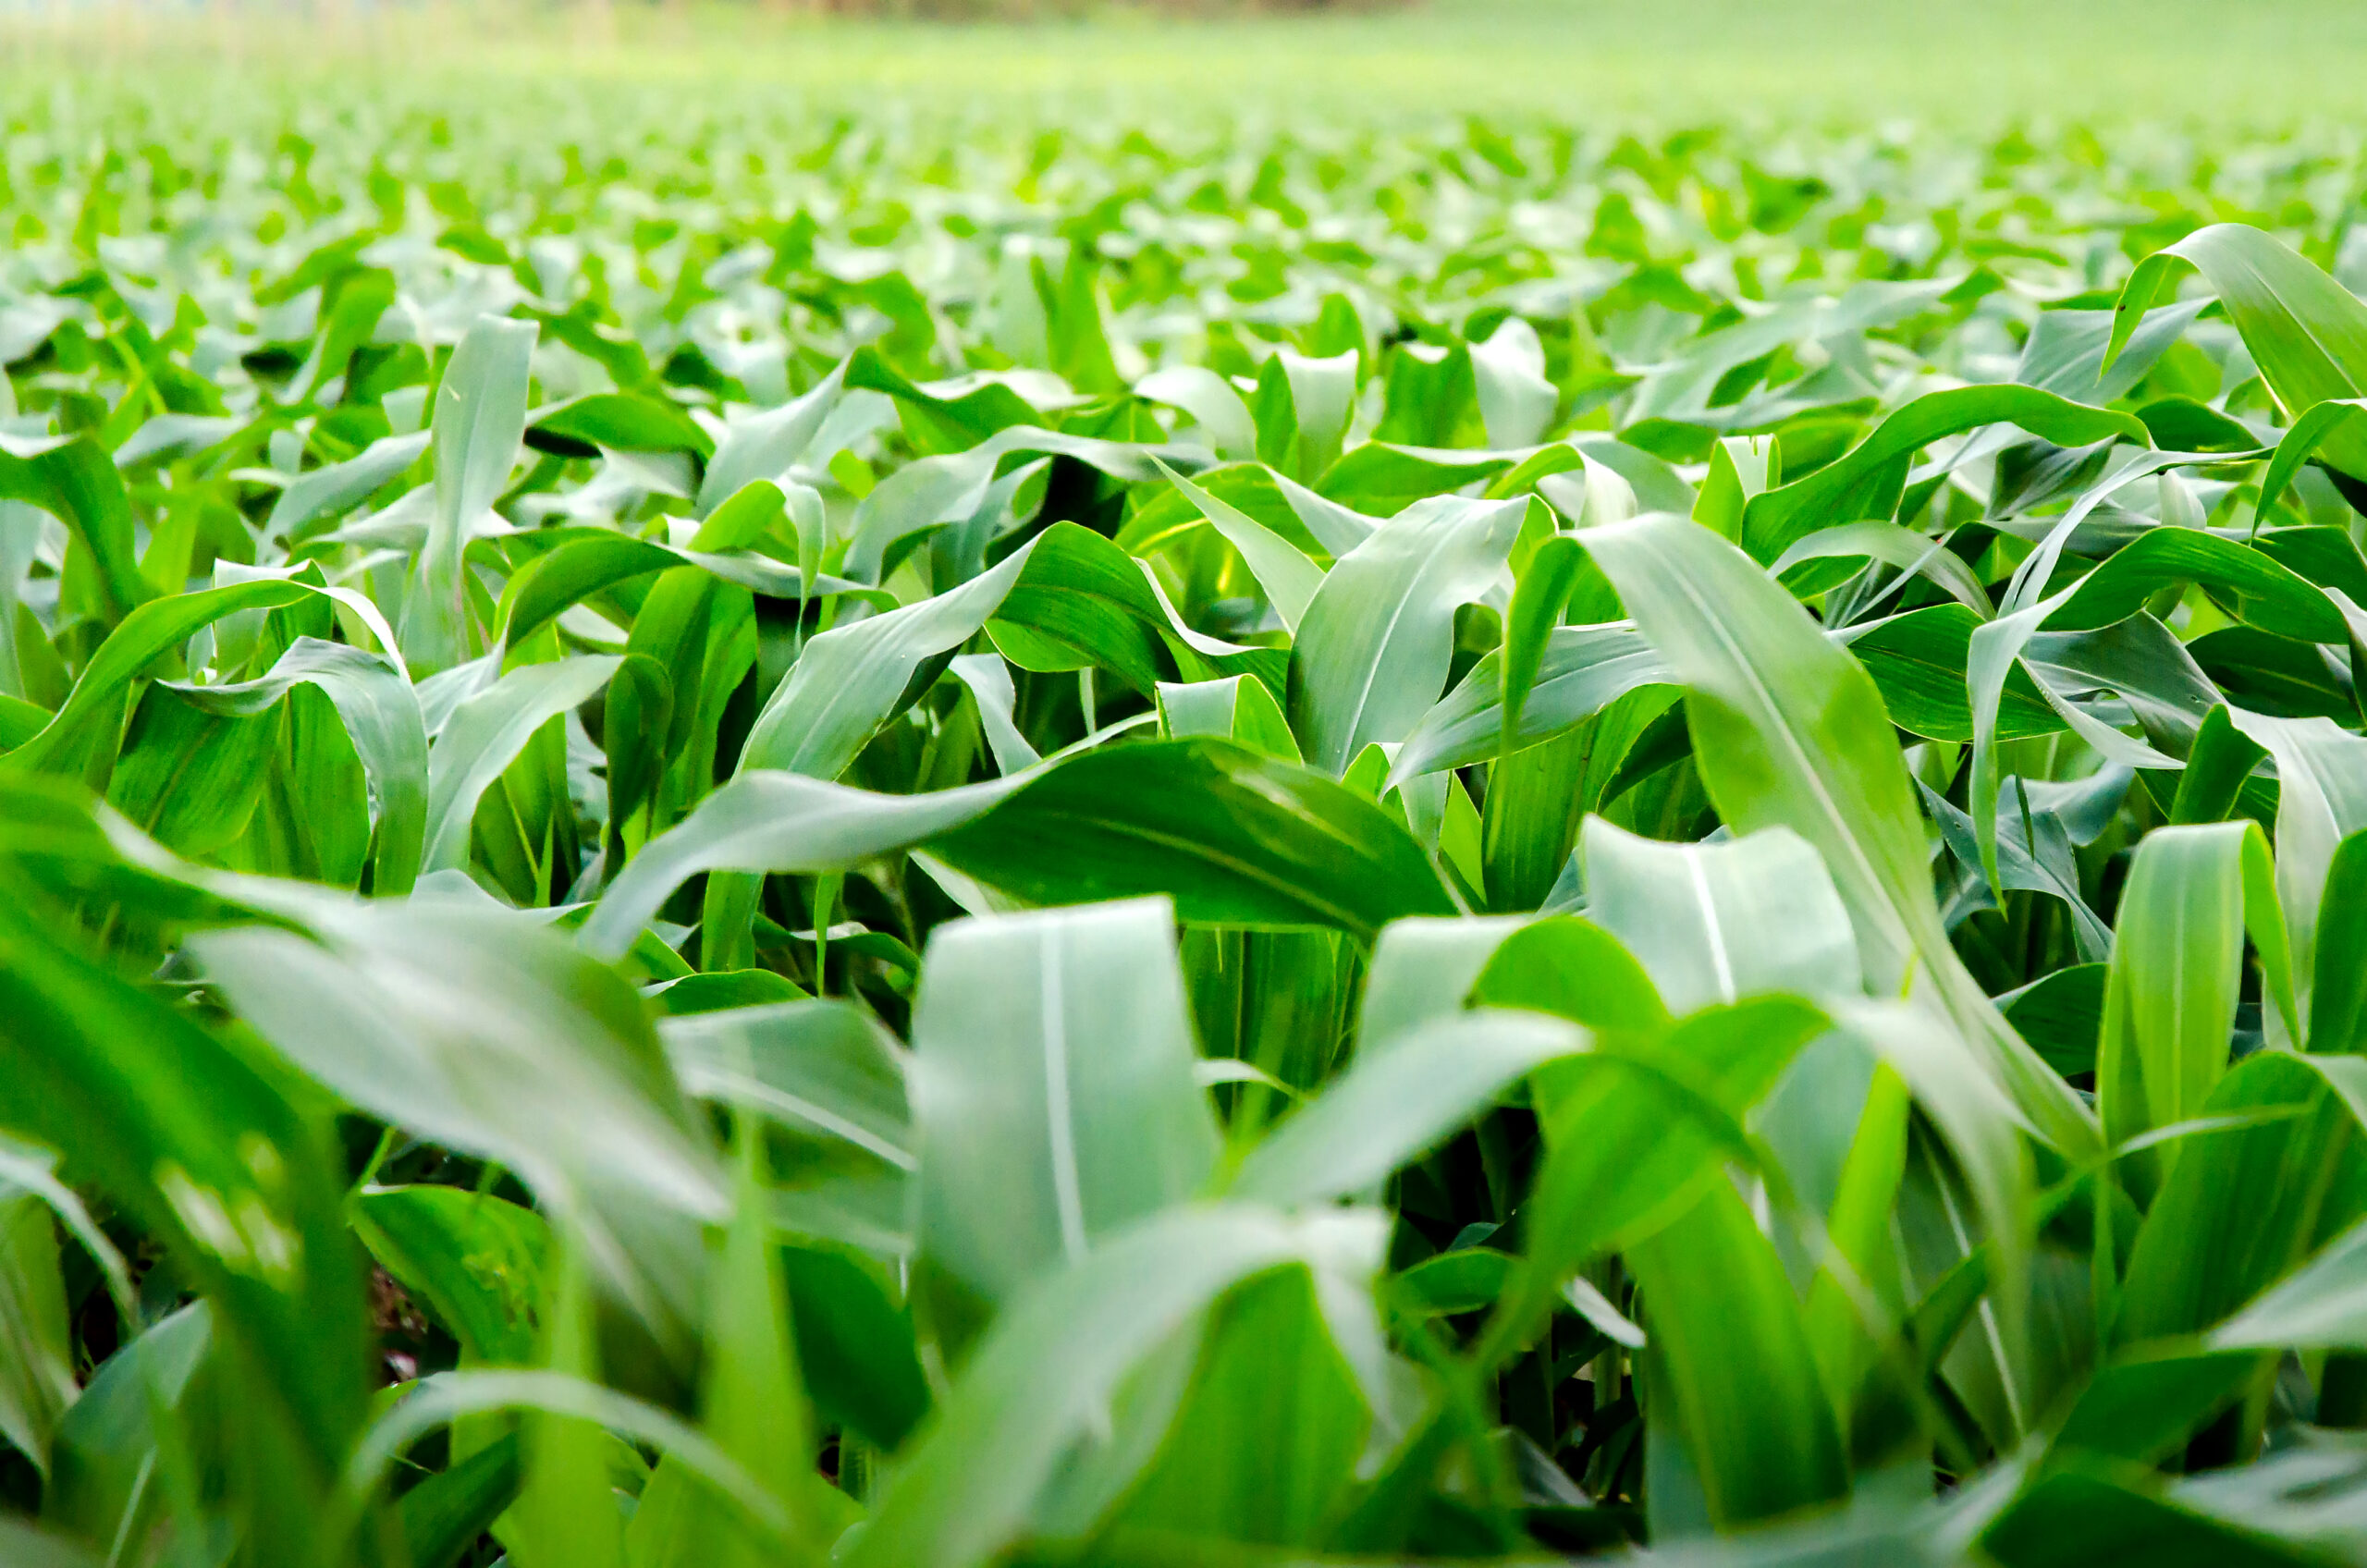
{"x": 2263, "y": 64}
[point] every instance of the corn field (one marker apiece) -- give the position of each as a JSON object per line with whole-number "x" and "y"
{"x": 752, "y": 836}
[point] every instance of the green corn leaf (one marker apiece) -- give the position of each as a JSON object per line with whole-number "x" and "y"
{"x": 1715, "y": 923}
{"x": 1289, "y": 578}
{"x": 2192, "y": 895}
{"x": 1233, "y": 837}
{"x": 1851, "y": 488}
{"x": 75, "y": 481}
{"x": 764, "y": 446}
{"x": 2322, "y": 800}
{"x": 2222, "y": 759}
{"x": 174, "y": 1126}
{"x": 334, "y": 489}
{"x": 381, "y": 717}
{"x": 1790, "y": 733}
{"x": 480, "y": 419}
{"x": 2075, "y": 1513}
{"x": 1268, "y": 1438}
{"x": 37, "y": 1380}
{"x": 818, "y": 1067}
{"x": 1722, "y": 1316}
{"x": 1425, "y": 969}
{"x": 2239, "y": 1207}
{"x": 2338, "y": 993}
{"x": 620, "y": 421}
{"x": 1240, "y": 710}
{"x": 447, "y": 1512}
{"x": 2316, "y": 1307}
{"x": 558, "y": 1398}
{"x": 1210, "y": 399}
{"x": 1374, "y": 648}
{"x": 1581, "y": 670}
{"x": 1052, "y": 1111}
{"x": 146, "y": 636}
{"x": 148, "y": 1395}
{"x": 485, "y": 735}
{"x": 1399, "y": 1098}
{"x": 434, "y": 1016}
{"x": 2308, "y": 333}
{"x": 1057, "y": 1354}
{"x": 2150, "y": 1399}
{"x": 1539, "y": 599}
{"x": 480, "y": 1263}
{"x": 1634, "y": 1135}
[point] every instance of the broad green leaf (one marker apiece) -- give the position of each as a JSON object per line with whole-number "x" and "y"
{"x": 855, "y": 1344}
{"x": 2336, "y": 421}
{"x": 1210, "y": 399}
{"x": 621, "y": 421}
{"x": 989, "y": 678}
{"x": 2223, "y": 757}
{"x": 764, "y": 446}
{"x": 1715, "y": 923}
{"x": 37, "y": 1375}
{"x": 1538, "y": 598}
{"x": 1423, "y": 970}
{"x": 480, "y": 419}
{"x": 1269, "y": 1435}
{"x": 1911, "y": 552}
{"x": 1233, "y": 837}
{"x": 473, "y": 1027}
{"x": 146, "y": 636}
{"x": 1052, "y": 1090}
{"x": 108, "y": 1441}
{"x": 1055, "y": 1356}
{"x": 580, "y": 563}
{"x": 753, "y": 1404}
{"x": 1403, "y": 1096}
{"x": 2319, "y": 1306}
{"x": 770, "y": 821}
{"x": 850, "y": 680}
{"x": 1373, "y": 650}
{"x": 2178, "y": 957}
{"x": 75, "y": 481}
{"x": 2240, "y": 1206}
{"x": 2074, "y": 1515}
{"x": 337, "y": 488}
{"x": 178, "y": 1129}
{"x": 478, "y": 1261}
{"x": 1289, "y": 578}
{"x": 2149, "y": 1400}
{"x": 1728, "y": 1329}
{"x": 1516, "y": 401}
{"x": 565, "y": 1511}
{"x": 1634, "y": 1133}
{"x": 2339, "y": 994}
{"x": 818, "y": 1067}
{"x": 1850, "y": 489}
{"x": 1788, "y": 730}
{"x": 445, "y": 1397}
{"x": 1575, "y": 970}
{"x": 1240, "y": 708}
{"x": 446, "y": 1513}
{"x": 1581, "y": 670}
{"x": 382, "y": 719}
{"x": 2307, "y": 331}
{"x": 2322, "y": 800}
{"x": 483, "y": 736}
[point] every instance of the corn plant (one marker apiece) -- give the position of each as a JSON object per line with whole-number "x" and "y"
{"x": 1485, "y": 845}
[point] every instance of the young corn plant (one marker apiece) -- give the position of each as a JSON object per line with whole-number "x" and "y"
{"x": 1124, "y": 879}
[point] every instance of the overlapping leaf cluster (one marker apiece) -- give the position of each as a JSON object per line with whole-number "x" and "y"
{"x": 930, "y": 849}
